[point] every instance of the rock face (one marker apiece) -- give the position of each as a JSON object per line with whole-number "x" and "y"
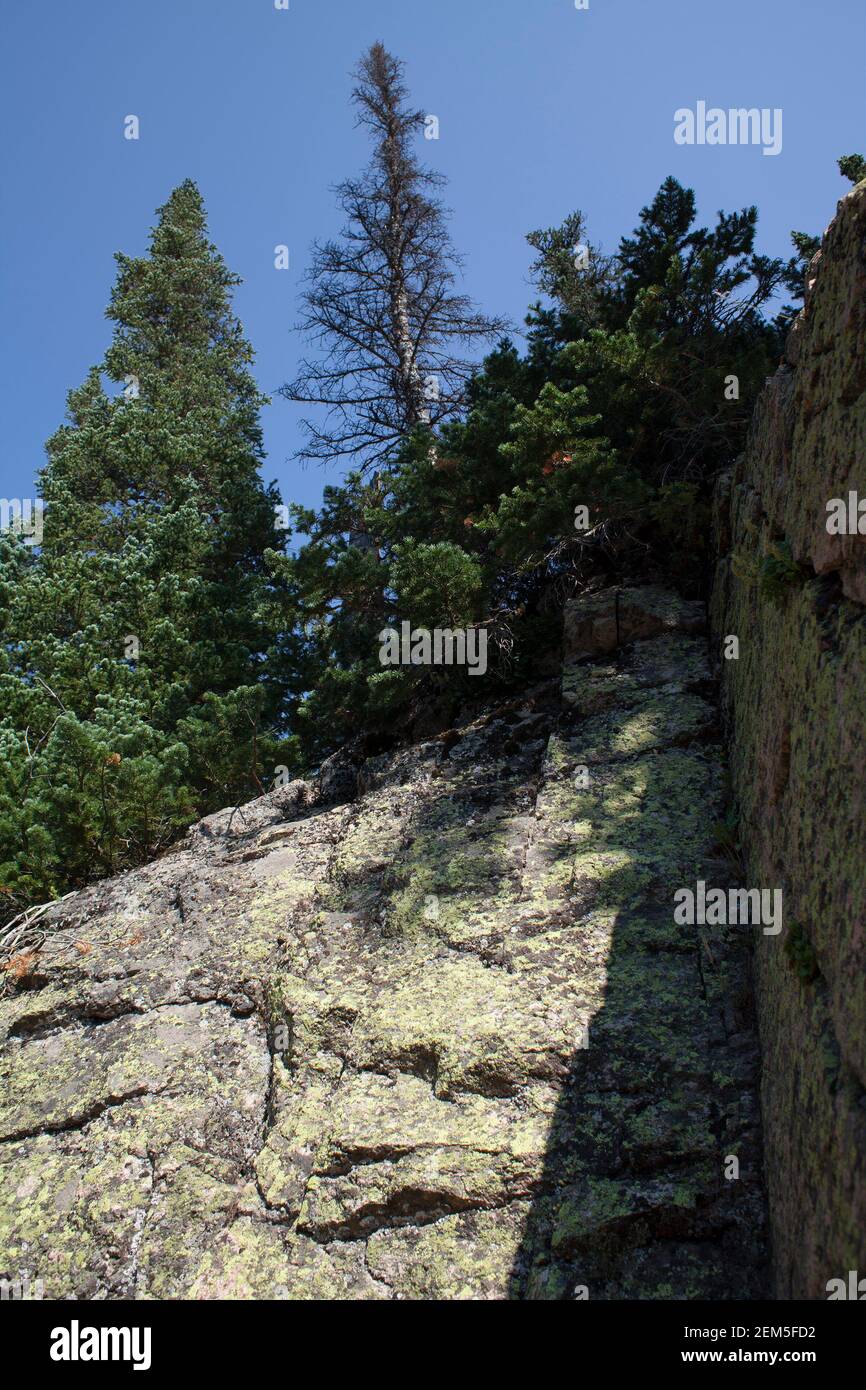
{"x": 423, "y": 1029}
{"x": 795, "y": 703}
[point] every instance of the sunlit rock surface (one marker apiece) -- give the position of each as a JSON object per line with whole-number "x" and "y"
{"x": 422, "y": 1029}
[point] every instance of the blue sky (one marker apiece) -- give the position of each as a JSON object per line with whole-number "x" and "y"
{"x": 542, "y": 108}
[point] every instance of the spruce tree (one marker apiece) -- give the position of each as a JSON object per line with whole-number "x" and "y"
{"x": 133, "y": 694}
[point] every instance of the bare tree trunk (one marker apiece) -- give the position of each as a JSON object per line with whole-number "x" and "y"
{"x": 395, "y": 165}
{"x": 382, "y": 301}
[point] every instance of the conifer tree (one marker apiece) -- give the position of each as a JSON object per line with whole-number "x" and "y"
{"x": 381, "y": 301}
{"x": 132, "y": 693}
{"x": 852, "y": 167}
{"x": 592, "y": 455}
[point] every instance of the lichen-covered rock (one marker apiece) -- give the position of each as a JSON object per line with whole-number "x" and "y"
{"x": 795, "y": 702}
{"x": 424, "y": 1028}
{"x": 808, "y": 435}
{"x": 674, "y": 660}
{"x": 602, "y": 622}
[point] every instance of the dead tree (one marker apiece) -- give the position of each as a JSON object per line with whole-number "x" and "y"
{"x": 380, "y": 302}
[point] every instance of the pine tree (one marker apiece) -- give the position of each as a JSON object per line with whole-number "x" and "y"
{"x": 590, "y": 456}
{"x": 678, "y": 312}
{"x": 852, "y": 167}
{"x": 132, "y": 690}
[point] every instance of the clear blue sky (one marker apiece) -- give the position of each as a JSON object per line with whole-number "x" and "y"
{"x": 543, "y": 108}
